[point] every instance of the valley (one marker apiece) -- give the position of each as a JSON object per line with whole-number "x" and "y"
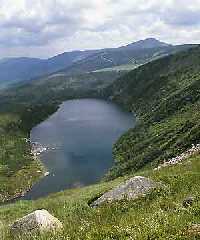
{"x": 78, "y": 139}
{"x": 164, "y": 94}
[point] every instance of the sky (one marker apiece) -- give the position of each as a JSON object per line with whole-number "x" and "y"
{"x": 43, "y": 28}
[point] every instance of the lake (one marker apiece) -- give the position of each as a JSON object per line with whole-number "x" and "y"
{"x": 79, "y": 138}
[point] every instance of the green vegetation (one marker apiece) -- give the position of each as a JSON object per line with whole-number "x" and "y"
{"x": 159, "y": 215}
{"x": 18, "y": 169}
{"x": 24, "y": 106}
{"x": 165, "y": 95}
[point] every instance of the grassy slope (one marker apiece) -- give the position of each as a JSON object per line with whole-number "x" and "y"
{"x": 167, "y": 101}
{"x": 18, "y": 170}
{"x": 165, "y": 94}
{"x": 159, "y": 215}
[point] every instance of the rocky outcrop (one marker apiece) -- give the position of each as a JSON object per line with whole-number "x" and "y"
{"x": 132, "y": 189}
{"x": 38, "y": 221}
{"x": 193, "y": 150}
{"x": 37, "y": 148}
{"x": 194, "y": 230}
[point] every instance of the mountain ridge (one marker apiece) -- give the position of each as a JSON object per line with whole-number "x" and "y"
{"x": 15, "y": 70}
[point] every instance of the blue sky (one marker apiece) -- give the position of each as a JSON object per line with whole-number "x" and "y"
{"x": 43, "y": 28}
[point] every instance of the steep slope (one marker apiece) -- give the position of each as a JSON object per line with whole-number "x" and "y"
{"x": 159, "y": 215}
{"x": 165, "y": 95}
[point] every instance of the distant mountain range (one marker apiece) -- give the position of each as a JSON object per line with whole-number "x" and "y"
{"x": 14, "y": 70}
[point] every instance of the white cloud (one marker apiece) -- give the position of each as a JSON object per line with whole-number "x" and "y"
{"x": 47, "y": 27}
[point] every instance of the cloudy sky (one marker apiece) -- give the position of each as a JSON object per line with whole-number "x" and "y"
{"x": 42, "y": 28}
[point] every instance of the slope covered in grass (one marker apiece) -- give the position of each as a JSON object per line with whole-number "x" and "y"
{"x": 18, "y": 169}
{"x": 159, "y": 215}
{"x": 165, "y": 95}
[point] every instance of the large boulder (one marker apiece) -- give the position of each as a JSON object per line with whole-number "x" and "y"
{"x": 38, "y": 221}
{"x": 132, "y": 189}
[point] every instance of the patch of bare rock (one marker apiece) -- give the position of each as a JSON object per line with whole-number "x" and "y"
{"x": 176, "y": 160}
{"x": 39, "y": 221}
{"x": 133, "y": 188}
{"x": 194, "y": 230}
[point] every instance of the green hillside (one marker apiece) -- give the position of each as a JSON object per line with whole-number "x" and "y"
{"x": 159, "y": 215}
{"x": 165, "y": 95}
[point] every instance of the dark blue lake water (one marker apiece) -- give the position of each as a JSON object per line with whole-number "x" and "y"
{"x": 80, "y": 136}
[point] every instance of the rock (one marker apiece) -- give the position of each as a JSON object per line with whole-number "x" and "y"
{"x": 46, "y": 174}
{"x": 38, "y": 221}
{"x": 178, "y": 159}
{"x": 131, "y": 189}
{"x": 188, "y": 202}
{"x": 194, "y": 230}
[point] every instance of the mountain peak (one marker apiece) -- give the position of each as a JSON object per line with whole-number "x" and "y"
{"x": 147, "y": 43}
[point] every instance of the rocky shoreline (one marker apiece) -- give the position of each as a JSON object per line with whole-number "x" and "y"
{"x": 36, "y": 150}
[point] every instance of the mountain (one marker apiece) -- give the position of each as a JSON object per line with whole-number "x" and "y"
{"x": 147, "y": 44}
{"x": 115, "y": 57}
{"x": 16, "y": 69}
{"x": 13, "y": 70}
{"x": 133, "y": 55}
{"x": 165, "y": 96}
{"x": 66, "y": 59}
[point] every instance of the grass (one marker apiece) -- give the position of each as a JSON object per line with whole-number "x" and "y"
{"x": 165, "y": 96}
{"x": 159, "y": 215}
{"x": 18, "y": 169}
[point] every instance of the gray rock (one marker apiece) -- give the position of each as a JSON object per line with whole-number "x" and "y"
{"x": 194, "y": 231}
{"x": 132, "y": 189}
{"x": 188, "y": 202}
{"x": 38, "y": 221}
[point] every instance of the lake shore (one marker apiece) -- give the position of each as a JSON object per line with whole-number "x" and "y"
{"x": 25, "y": 178}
